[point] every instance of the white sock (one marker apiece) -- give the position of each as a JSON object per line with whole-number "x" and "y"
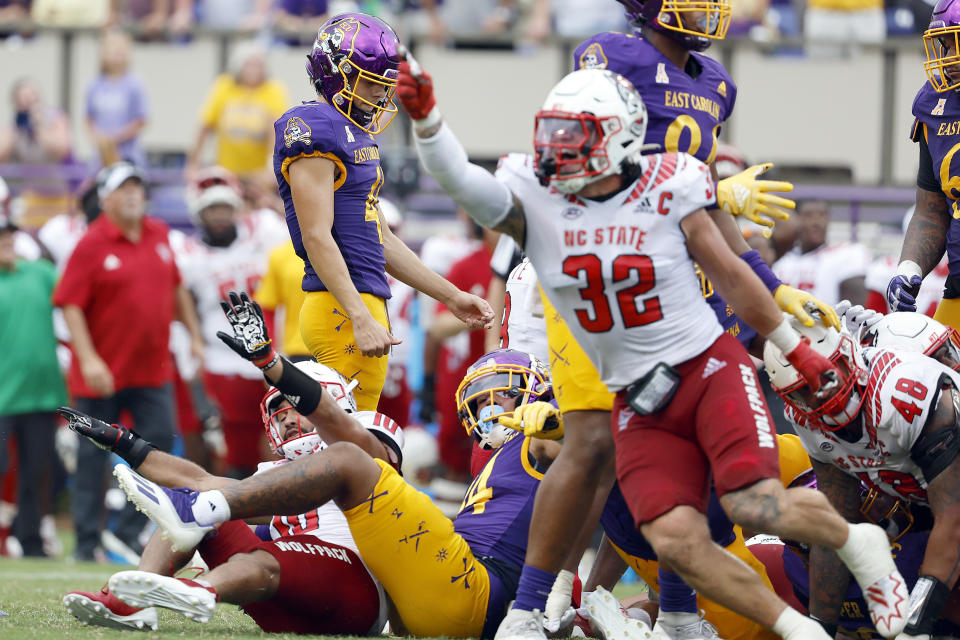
{"x": 211, "y": 508}
{"x": 793, "y": 625}
{"x": 677, "y": 618}
{"x": 860, "y": 554}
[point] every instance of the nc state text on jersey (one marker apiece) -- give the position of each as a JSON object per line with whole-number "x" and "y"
{"x": 687, "y": 101}
{"x": 625, "y": 236}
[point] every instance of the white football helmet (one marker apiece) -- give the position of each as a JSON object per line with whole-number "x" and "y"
{"x": 212, "y": 185}
{"x": 844, "y": 403}
{"x": 386, "y": 430}
{"x": 918, "y": 333}
{"x": 591, "y": 122}
{"x": 305, "y": 439}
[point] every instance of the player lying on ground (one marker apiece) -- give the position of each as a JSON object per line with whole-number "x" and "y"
{"x": 892, "y": 425}
{"x": 270, "y": 572}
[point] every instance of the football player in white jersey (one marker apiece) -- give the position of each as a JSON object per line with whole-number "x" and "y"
{"x": 522, "y": 327}
{"x": 231, "y": 253}
{"x": 612, "y": 235}
{"x": 272, "y": 571}
{"x": 892, "y": 425}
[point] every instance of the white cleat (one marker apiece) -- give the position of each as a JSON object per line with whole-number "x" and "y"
{"x": 608, "y": 620}
{"x": 699, "y": 629}
{"x": 521, "y": 625}
{"x": 170, "y": 509}
{"x": 562, "y": 626}
{"x": 104, "y": 610}
{"x": 884, "y": 589}
{"x": 144, "y": 589}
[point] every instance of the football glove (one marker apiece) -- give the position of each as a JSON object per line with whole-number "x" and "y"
{"x": 800, "y": 303}
{"x": 415, "y": 90}
{"x": 250, "y": 339}
{"x": 109, "y": 437}
{"x": 744, "y": 195}
{"x": 813, "y": 367}
{"x": 536, "y": 420}
{"x": 903, "y": 288}
{"x": 856, "y": 317}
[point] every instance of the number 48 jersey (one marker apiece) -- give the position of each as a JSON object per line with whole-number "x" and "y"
{"x": 618, "y": 271}
{"x": 901, "y": 394}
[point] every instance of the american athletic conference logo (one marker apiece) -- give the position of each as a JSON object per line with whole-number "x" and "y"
{"x": 572, "y": 213}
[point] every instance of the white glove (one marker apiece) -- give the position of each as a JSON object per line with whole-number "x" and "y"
{"x": 856, "y": 318}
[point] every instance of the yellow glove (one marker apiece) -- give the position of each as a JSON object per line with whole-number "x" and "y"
{"x": 536, "y": 420}
{"x": 797, "y": 303}
{"x": 743, "y": 195}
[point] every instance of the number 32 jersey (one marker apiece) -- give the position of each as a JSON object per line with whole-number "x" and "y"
{"x": 901, "y": 394}
{"x": 618, "y": 271}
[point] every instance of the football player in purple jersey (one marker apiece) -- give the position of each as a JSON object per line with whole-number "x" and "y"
{"x": 934, "y": 227}
{"x": 327, "y": 166}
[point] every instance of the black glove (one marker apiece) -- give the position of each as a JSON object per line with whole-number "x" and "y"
{"x": 109, "y": 437}
{"x": 427, "y": 400}
{"x": 250, "y": 339}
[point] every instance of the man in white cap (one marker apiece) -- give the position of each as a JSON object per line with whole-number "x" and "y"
{"x": 229, "y": 254}
{"x": 118, "y": 292}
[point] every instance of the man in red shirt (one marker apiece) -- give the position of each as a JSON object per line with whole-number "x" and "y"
{"x": 118, "y": 293}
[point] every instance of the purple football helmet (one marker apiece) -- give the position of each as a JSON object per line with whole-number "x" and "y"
{"x": 504, "y": 376}
{"x": 349, "y": 48}
{"x": 692, "y": 23}
{"x": 941, "y": 43}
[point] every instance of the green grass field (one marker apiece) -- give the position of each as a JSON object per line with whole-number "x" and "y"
{"x": 31, "y": 592}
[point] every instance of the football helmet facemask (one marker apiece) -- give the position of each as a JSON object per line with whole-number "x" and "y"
{"x": 500, "y": 379}
{"x": 941, "y": 44}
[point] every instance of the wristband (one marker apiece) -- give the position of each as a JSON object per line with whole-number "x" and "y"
{"x": 300, "y": 390}
{"x": 927, "y": 599}
{"x": 909, "y": 268}
{"x": 763, "y": 271}
{"x": 267, "y": 361}
{"x": 433, "y": 119}
{"x": 784, "y": 337}
{"x": 132, "y": 448}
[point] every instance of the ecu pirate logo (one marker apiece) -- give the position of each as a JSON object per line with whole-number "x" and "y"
{"x": 296, "y": 130}
{"x": 593, "y": 57}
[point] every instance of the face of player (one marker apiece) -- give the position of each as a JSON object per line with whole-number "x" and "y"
{"x": 218, "y": 218}
{"x": 291, "y": 423}
{"x": 127, "y": 203}
{"x": 7, "y": 255}
{"x": 814, "y": 216}
{"x": 561, "y": 143}
{"x": 700, "y": 21}
{"x": 949, "y": 49}
{"x": 371, "y": 92}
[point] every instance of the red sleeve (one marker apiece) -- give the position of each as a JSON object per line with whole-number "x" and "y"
{"x": 76, "y": 283}
{"x": 876, "y": 301}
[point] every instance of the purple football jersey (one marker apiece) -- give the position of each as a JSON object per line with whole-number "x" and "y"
{"x": 317, "y": 129}
{"x": 496, "y": 512}
{"x": 937, "y": 119}
{"x": 686, "y": 113}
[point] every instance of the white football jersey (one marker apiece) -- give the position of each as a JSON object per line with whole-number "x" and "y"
{"x": 618, "y": 271}
{"x": 899, "y": 397}
{"x": 821, "y": 271}
{"x": 210, "y": 272}
{"x": 882, "y": 270}
{"x": 60, "y": 235}
{"x": 523, "y": 327}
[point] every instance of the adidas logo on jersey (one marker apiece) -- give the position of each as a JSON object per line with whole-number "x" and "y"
{"x": 713, "y": 365}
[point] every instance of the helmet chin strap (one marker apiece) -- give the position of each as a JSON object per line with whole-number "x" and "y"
{"x": 301, "y": 446}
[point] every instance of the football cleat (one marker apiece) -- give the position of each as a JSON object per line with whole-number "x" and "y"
{"x": 608, "y": 620}
{"x": 519, "y": 624}
{"x": 883, "y": 587}
{"x": 103, "y": 609}
{"x": 145, "y": 589}
{"x": 699, "y": 629}
{"x": 170, "y": 509}
{"x": 562, "y": 626}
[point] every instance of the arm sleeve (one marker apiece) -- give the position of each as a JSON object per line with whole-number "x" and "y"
{"x": 926, "y": 179}
{"x": 485, "y": 199}
{"x": 502, "y": 262}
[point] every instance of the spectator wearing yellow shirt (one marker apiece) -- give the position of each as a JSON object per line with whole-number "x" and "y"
{"x": 280, "y": 289}
{"x": 837, "y": 27}
{"x": 240, "y": 110}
